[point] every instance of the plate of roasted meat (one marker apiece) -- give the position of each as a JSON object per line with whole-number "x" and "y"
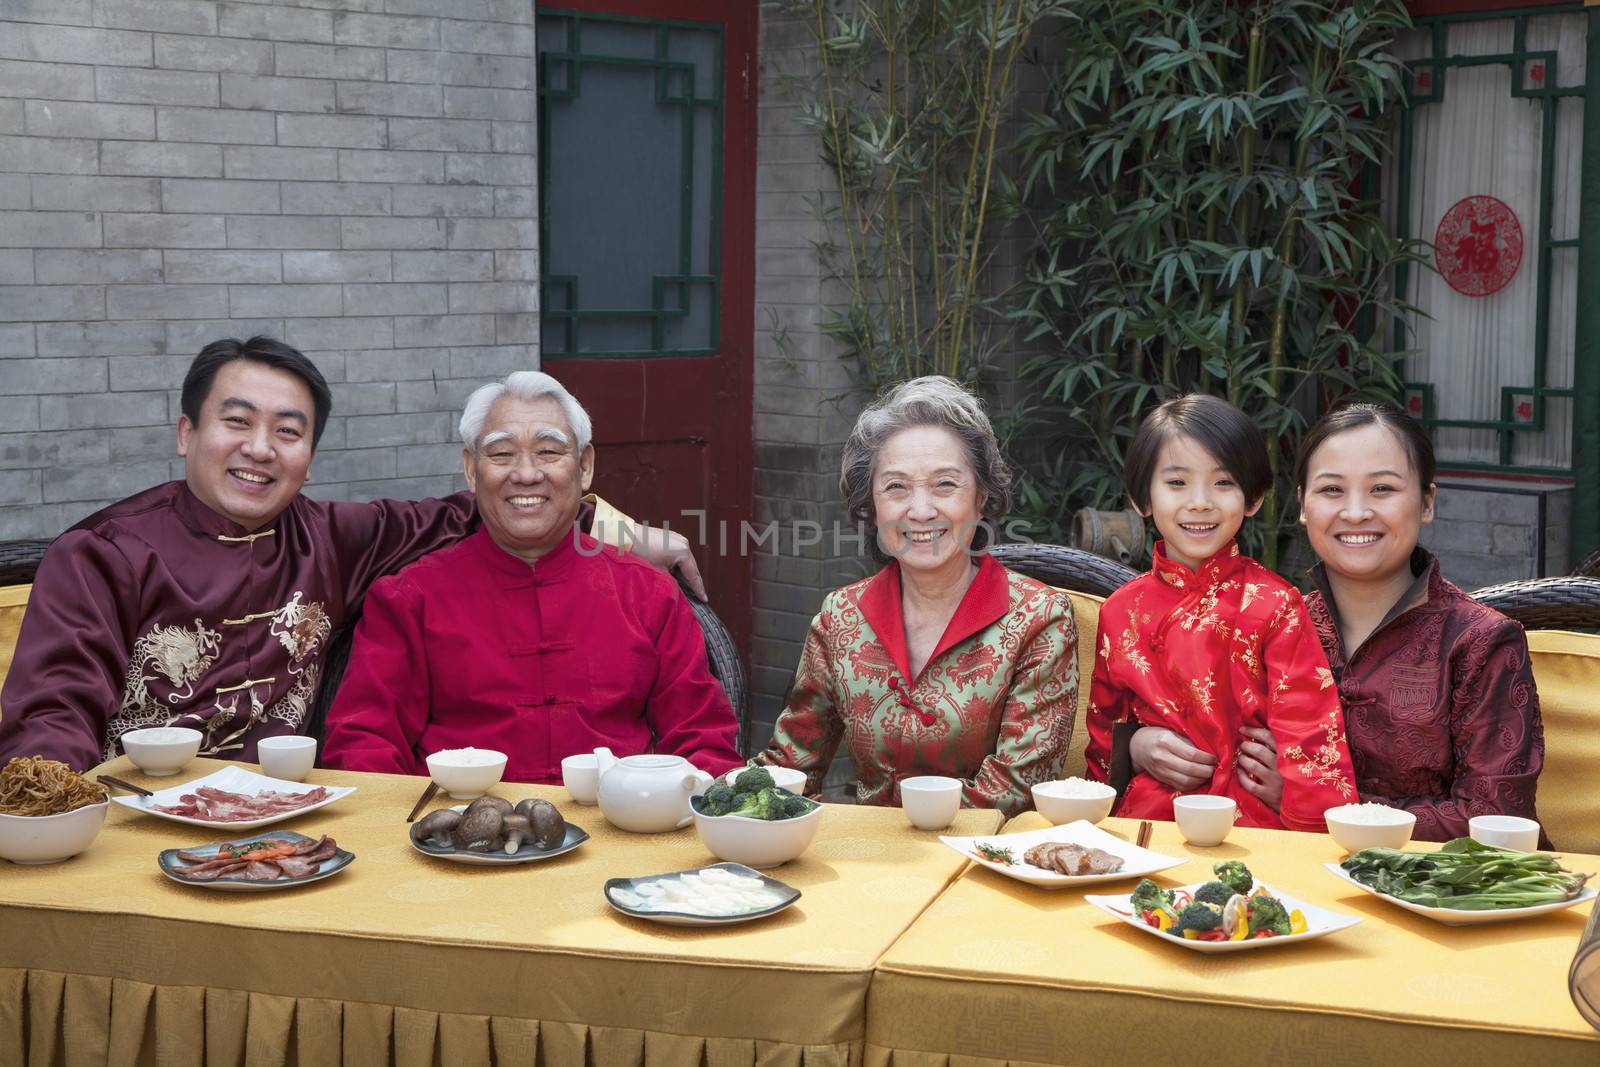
{"x": 260, "y": 862}
{"x": 1074, "y": 853}
{"x": 236, "y": 798}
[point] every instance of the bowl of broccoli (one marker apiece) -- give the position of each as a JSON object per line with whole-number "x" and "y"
{"x": 753, "y": 821}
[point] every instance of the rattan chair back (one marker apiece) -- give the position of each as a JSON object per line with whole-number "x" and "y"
{"x": 1565, "y": 603}
{"x": 1066, "y": 568}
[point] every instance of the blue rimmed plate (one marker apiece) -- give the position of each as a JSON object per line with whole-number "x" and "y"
{"x": 528, "y": 853}
{"x": 170, "y": 864}
{"x": 632, "y": 897}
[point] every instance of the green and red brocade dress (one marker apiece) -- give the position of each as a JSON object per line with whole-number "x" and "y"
{"x": 993, "y": 707}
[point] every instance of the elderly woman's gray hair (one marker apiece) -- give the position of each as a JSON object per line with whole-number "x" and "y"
{"x": 524, "y": 385}
{"x": 928, "y": 401}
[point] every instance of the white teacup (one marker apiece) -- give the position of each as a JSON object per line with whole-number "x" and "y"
{"x": 1505, "y": 831}
{"x": 289, "y": 757}
{"x": 1204, "y": 820}
{"x": 782, "y": 777}
{"x": 581, "y": 775}
{"x": 930, "y": 800}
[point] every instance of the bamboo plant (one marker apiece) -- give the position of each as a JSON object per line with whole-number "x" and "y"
{"x": 909, "y": 99}
{"x": 1194, "y": 183}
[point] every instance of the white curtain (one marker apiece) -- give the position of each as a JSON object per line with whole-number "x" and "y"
{"x": 1482, "y": 141}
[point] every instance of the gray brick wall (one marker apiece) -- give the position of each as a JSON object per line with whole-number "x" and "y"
{"x": 1486, "y": 531}
{"x": 353, "y": 176}
{"x": 806, "y": 397}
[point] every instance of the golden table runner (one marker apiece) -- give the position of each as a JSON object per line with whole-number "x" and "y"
{"x": 1000, "y": 972}
{"x": 414, "y": 958}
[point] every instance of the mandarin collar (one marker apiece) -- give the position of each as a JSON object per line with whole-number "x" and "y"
{"x": 194, "y": 514}
{"x": 987, "y": 598}
{"x": 1211, "y": 571}
{"x": 1425, "y": 587}
{"x": 554, "y": 566}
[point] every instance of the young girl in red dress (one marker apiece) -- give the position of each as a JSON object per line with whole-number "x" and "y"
{"x": 1210, "y": 644}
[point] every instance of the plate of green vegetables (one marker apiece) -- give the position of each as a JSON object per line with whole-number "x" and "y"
{"x": 1466, "y": 883}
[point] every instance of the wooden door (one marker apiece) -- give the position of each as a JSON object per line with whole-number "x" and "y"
{"x": 647, "y": 242}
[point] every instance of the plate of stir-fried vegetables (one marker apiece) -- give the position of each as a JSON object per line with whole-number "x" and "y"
{"x": 1465, "y": 882}
{"x": 1231, "y": 913}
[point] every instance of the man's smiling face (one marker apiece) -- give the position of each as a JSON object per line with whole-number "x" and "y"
{"x": 249, "y": 453}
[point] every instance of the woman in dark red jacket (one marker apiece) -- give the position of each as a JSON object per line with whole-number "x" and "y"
{"x": 1439, "y": 701}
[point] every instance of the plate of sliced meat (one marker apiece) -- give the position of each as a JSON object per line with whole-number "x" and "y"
{"x": 1074, "y": 853}
{"x": 276, "y": 860}
{"x": 236, "y": 798}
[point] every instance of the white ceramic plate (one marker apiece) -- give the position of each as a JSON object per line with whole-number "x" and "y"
{"x": 168, "y": 861}
{"x": 528, "y": 853}
{"x": 683, "y": 918}
{"x": 1320, "y": 922}
{"x": 1136, "y": 862}
{"x": 1456, "y": 917}
{"x": 233, "y": 780}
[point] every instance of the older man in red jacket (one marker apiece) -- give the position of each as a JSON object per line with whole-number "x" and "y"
{"x": 529, "y": 636}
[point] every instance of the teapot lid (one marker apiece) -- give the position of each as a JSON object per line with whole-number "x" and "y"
{"x": 652, "y": 760}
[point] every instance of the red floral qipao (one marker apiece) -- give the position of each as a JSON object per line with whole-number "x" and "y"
{"x": 993, "y": 706}
{"x": 1440, "y": 700}
{"x": 1205, "y": 652}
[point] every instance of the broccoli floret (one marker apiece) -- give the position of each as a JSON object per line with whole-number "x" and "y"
{"x": 753, "y": 780}
{"x": 1147, "y": 896}
{"x": 1267, "y": 913}
{"x": 1235, "y": 875}
{"x": 794, "y": 806}
{"x": 1199, "y": 918}
{"x": 718, "y": 800}
{"x": 1213, "y": 893}
{"x": 767, "y": 804}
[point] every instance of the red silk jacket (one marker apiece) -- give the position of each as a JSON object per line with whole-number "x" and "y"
{"x": 1440, "y": 704}
{"x": 1205, "y": 652}
{"x": 470, "y": 646}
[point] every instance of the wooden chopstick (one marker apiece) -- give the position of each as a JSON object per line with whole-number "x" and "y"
{"x": 1144, "y": 833}
{"x": 422, "y": 801}
{"x": 120, "y": 784}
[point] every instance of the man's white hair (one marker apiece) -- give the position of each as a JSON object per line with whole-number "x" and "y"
{"x": 523, "y": 385}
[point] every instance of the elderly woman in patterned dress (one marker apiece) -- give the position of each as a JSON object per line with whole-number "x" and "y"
{"x": 944, "y": 662}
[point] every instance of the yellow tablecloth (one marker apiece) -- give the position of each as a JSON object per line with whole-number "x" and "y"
{"x": 408, "y": 959}
{"x": 998, "y": 972}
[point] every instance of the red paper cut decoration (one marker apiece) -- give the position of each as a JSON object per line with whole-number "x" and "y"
{"x": 1478, "y": 246}
{"x": 1536, "y": 72}
{"x": 1524, "y": 411}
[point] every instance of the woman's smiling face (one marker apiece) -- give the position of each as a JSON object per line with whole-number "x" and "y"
{"x": 1195, "y": 502}
{"x": 1362, "y": 504}
{"x": 925, "y": 497}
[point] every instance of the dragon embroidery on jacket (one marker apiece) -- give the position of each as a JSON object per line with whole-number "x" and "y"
{"x": 178, "y": 654}
{"x": 301, "y": 628}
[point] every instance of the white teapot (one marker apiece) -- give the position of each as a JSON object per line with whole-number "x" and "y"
{"x": 648, "y": 794}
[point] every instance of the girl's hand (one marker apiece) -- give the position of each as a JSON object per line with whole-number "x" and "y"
{"x": 1257, "y": 766}
{"x": 1170, "y": 759}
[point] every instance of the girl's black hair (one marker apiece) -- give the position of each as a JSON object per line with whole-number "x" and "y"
{"x": 1356, "y": 415}
{"x": 1215, "y": 425}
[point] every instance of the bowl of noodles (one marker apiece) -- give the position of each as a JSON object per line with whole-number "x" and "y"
{"x": 48, "y": 811}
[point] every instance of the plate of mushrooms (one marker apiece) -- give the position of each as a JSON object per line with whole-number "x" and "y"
{"x": 492, "y": 831}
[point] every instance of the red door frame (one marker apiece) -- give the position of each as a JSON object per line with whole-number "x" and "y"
{"x": 648, "y": 400}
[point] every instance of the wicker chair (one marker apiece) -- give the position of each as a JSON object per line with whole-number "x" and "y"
{"x": 1547, "y": 603}
{"x": 1588, "y": 566}
{"x": 722, "y": 653}
{"x": 1066, "y": 568}
{"x": 19, "y": 560}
